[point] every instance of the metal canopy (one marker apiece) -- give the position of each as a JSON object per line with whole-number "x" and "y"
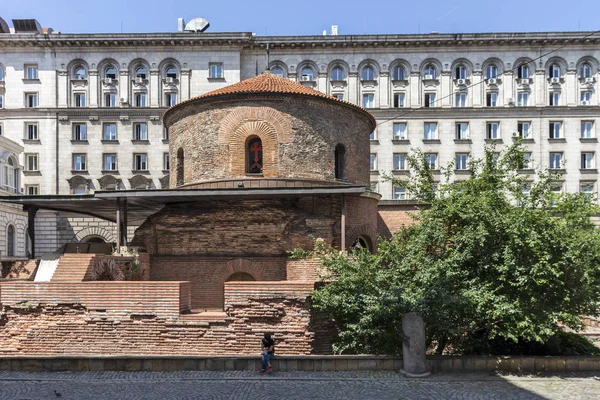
{"x": 143, "y": 203}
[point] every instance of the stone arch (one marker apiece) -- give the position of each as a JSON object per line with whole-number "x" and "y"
{"x": 369, "y": 63}
{"x": 139, "y": 63}
{"x": 592, "y": 61}
{"x": 76, "y": 63}
{"x": 435, "y": 62}
{"x": 104, "y": 64}
{"x": 465, "y": 63}
{"x": 561, "y": 62}
{"x": 279, "y": 64}
{"x": 495, "y": 62}
{"x": 231, "y": 267}
{"x": 308, "y": 64}
{"x": 354, "y": 232}
{"x": 230, "y": 124}
{"x": 168, "y": 62}
{"x": 94, "y": 231}
{"x": 400, "y": 63}
{"x": 338, "y": 63}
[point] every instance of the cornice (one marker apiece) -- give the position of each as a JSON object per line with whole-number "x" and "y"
{"x": 486, "y": 112}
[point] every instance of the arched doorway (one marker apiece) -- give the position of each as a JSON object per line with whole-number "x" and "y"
{"x": 241, "y": 276}
{"x": 93, "y": 239}
{"x": 361, "y": 242}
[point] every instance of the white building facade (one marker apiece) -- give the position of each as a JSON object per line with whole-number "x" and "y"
{"x": 87, "y": 108}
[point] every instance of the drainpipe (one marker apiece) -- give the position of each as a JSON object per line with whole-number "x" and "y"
{"x": 343, "y": 212}
{"x": 56, "y": 156}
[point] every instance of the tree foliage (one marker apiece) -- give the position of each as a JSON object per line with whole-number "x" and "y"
{"x": 485, "y": 259}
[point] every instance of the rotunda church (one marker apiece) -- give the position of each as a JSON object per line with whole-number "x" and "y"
{"x": 270, "y": 165}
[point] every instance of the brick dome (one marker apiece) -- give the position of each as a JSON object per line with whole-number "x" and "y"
{"x": 266, "y": 83}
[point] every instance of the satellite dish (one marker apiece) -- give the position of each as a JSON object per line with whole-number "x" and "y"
{"x": 196, "y": 25}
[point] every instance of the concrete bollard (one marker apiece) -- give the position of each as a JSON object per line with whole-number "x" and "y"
{"x": 413, "y": 347}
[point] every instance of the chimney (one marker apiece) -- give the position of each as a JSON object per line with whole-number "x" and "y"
{"x": 324, "y": 32}
{"x": 180, "y": 24}
{"x": 334, "y": 30}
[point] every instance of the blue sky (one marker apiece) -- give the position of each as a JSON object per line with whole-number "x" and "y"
{"x": 309, "y": 17}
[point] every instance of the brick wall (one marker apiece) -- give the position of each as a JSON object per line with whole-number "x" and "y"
{"x": 308, "y": 269}
{"x": 391, "y": 217}
{"x": 156, "y": 298}
{"x": 252, "y": 308}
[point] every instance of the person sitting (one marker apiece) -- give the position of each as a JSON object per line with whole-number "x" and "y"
{"x": 268, "y": 350}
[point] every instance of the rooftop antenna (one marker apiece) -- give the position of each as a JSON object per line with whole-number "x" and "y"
{"x": 268, "y": 61}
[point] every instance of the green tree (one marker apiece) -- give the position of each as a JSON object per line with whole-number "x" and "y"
{"x": 495, "y": 256}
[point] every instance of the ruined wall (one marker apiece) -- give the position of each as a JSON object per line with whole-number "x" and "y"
{"x": 393, "y": 215}
{"x": 283, "y": 308}
{"x": 299, "y": 136}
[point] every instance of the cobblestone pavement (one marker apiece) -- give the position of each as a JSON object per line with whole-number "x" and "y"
{"x": 289, "y": 385}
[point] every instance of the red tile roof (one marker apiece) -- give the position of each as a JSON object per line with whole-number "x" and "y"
{"x": 267, "y": 83}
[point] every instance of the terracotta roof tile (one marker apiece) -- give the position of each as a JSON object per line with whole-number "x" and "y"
{"x": 267, "y": 83}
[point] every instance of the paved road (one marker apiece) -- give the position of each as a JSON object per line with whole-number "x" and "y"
{"x": 289, "y": 385}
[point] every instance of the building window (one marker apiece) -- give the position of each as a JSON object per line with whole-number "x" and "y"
{"x": 367, "y": 73}
{"x": 110, "y": 73}
{"x": 32, "y": 190}
{"x": 399, "y": 100}
{"x": 399, "y": 193}
{"x": 430, "y": 72}
{"x": 140, "y": 162}
{"x": 555, "y": 130}
{"x": 254, "y": 156}
{"x": 460, "y": 100}
{"x": 31, "y": 131}
{"x": 165, "y": 133}
{"x": 491, "y": 72}
{"x": 141, "y": 74}
{"x": 373, "y": 135}
{"x": 587, "y": 160}
{"x": 460, "y": 72}
{"x": 339, "y": 96}
{"x": 79, "y": 132}
{"x": 491, "y": 99}
{"x": 587, "y": 188}
{"x": 400, "y": 131}
{"x": 11, "y": 176}
{"x": 79, "y": 162}
{"x": 492, "y": 130}
{"x": 140, "y": 131}
{"x": 400, "y": 163}
{"x": 554, "y": 99}
{"x": 110, "y": 100}
{"x": 277, "y": 71}
{"x": 340, "y": 162}
{"x": 526, "y": 161}
{"x": 461, "y": 130}
{"x": 110, "y": 162}
{"x": 585, "y": 98}
{"x": 373, "y": 162}
{"x": 430, "y": 131}
{"x": 373, "y": 186}
{"x": 79, "y": 72}
{"x": 523, "y": 71}
{"x": 555, "y": 71}
{"x": 462, "y": 161}
{"x": 523, "y": 99}
{"x": 31, "y": 162}
{"x": 398, "y": 73}
{"x": 31, "y": 71}
{"x": 10, "y": 241}
{"x": 31, "y": 100}
{"x": 171, "y": 74}
{"x": 79, "y": 100}
{"x": 368, "y": 100}
{"x": 524, "y": 129}
{"x": 170, "y": 99}
{"x": 166, "y": 165}
{"x": 555, "y": 160}
{"x": 1, "y": 101}
{"x": 215, "y": 70}
{"x": 1, "y": 74}
{"x": 585, "y": 71}
{"x": 430, "y": 100}
{"x": 432, "y": 160}
{"x": 139, "y": 100}
{"x": 337, "y": 74}
{"x": 587, "y": 129}
{"x": 307, "y": 74}
{"x": 110, "y": 132}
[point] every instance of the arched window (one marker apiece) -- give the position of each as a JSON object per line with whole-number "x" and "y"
{"x": 110, "y": 72}
{"x": 367, "y": 73}
{"x": 398, "y": 73}
{"x": 337, "y": 74}
{"x": 523, "y": 71}
{"x": 555, "y": 71}
{"x": 1, "y": 74}
{"x": 179, "y": 172}
{"x": 307, "y": 74}
{"x": 429, "y": 72}
{"x": 10, "y": 241}
{"x": 277, "y": 70}
{"x": 254, "y": 156}
{"x": 361, "y": 243}
{"x": 141, "y": 73}
{"x": 240, "y": 276}
{"x": 171, "y": 72}
{"x": 340, "y": 161}
{"x": 460, "y": 72}
{"x": 491, "y": 72}
{"x": 585, "y": 71}
{"x": 80, "y": 72}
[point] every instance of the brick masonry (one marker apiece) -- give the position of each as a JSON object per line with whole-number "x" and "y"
{"x": 49, "y": 321}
